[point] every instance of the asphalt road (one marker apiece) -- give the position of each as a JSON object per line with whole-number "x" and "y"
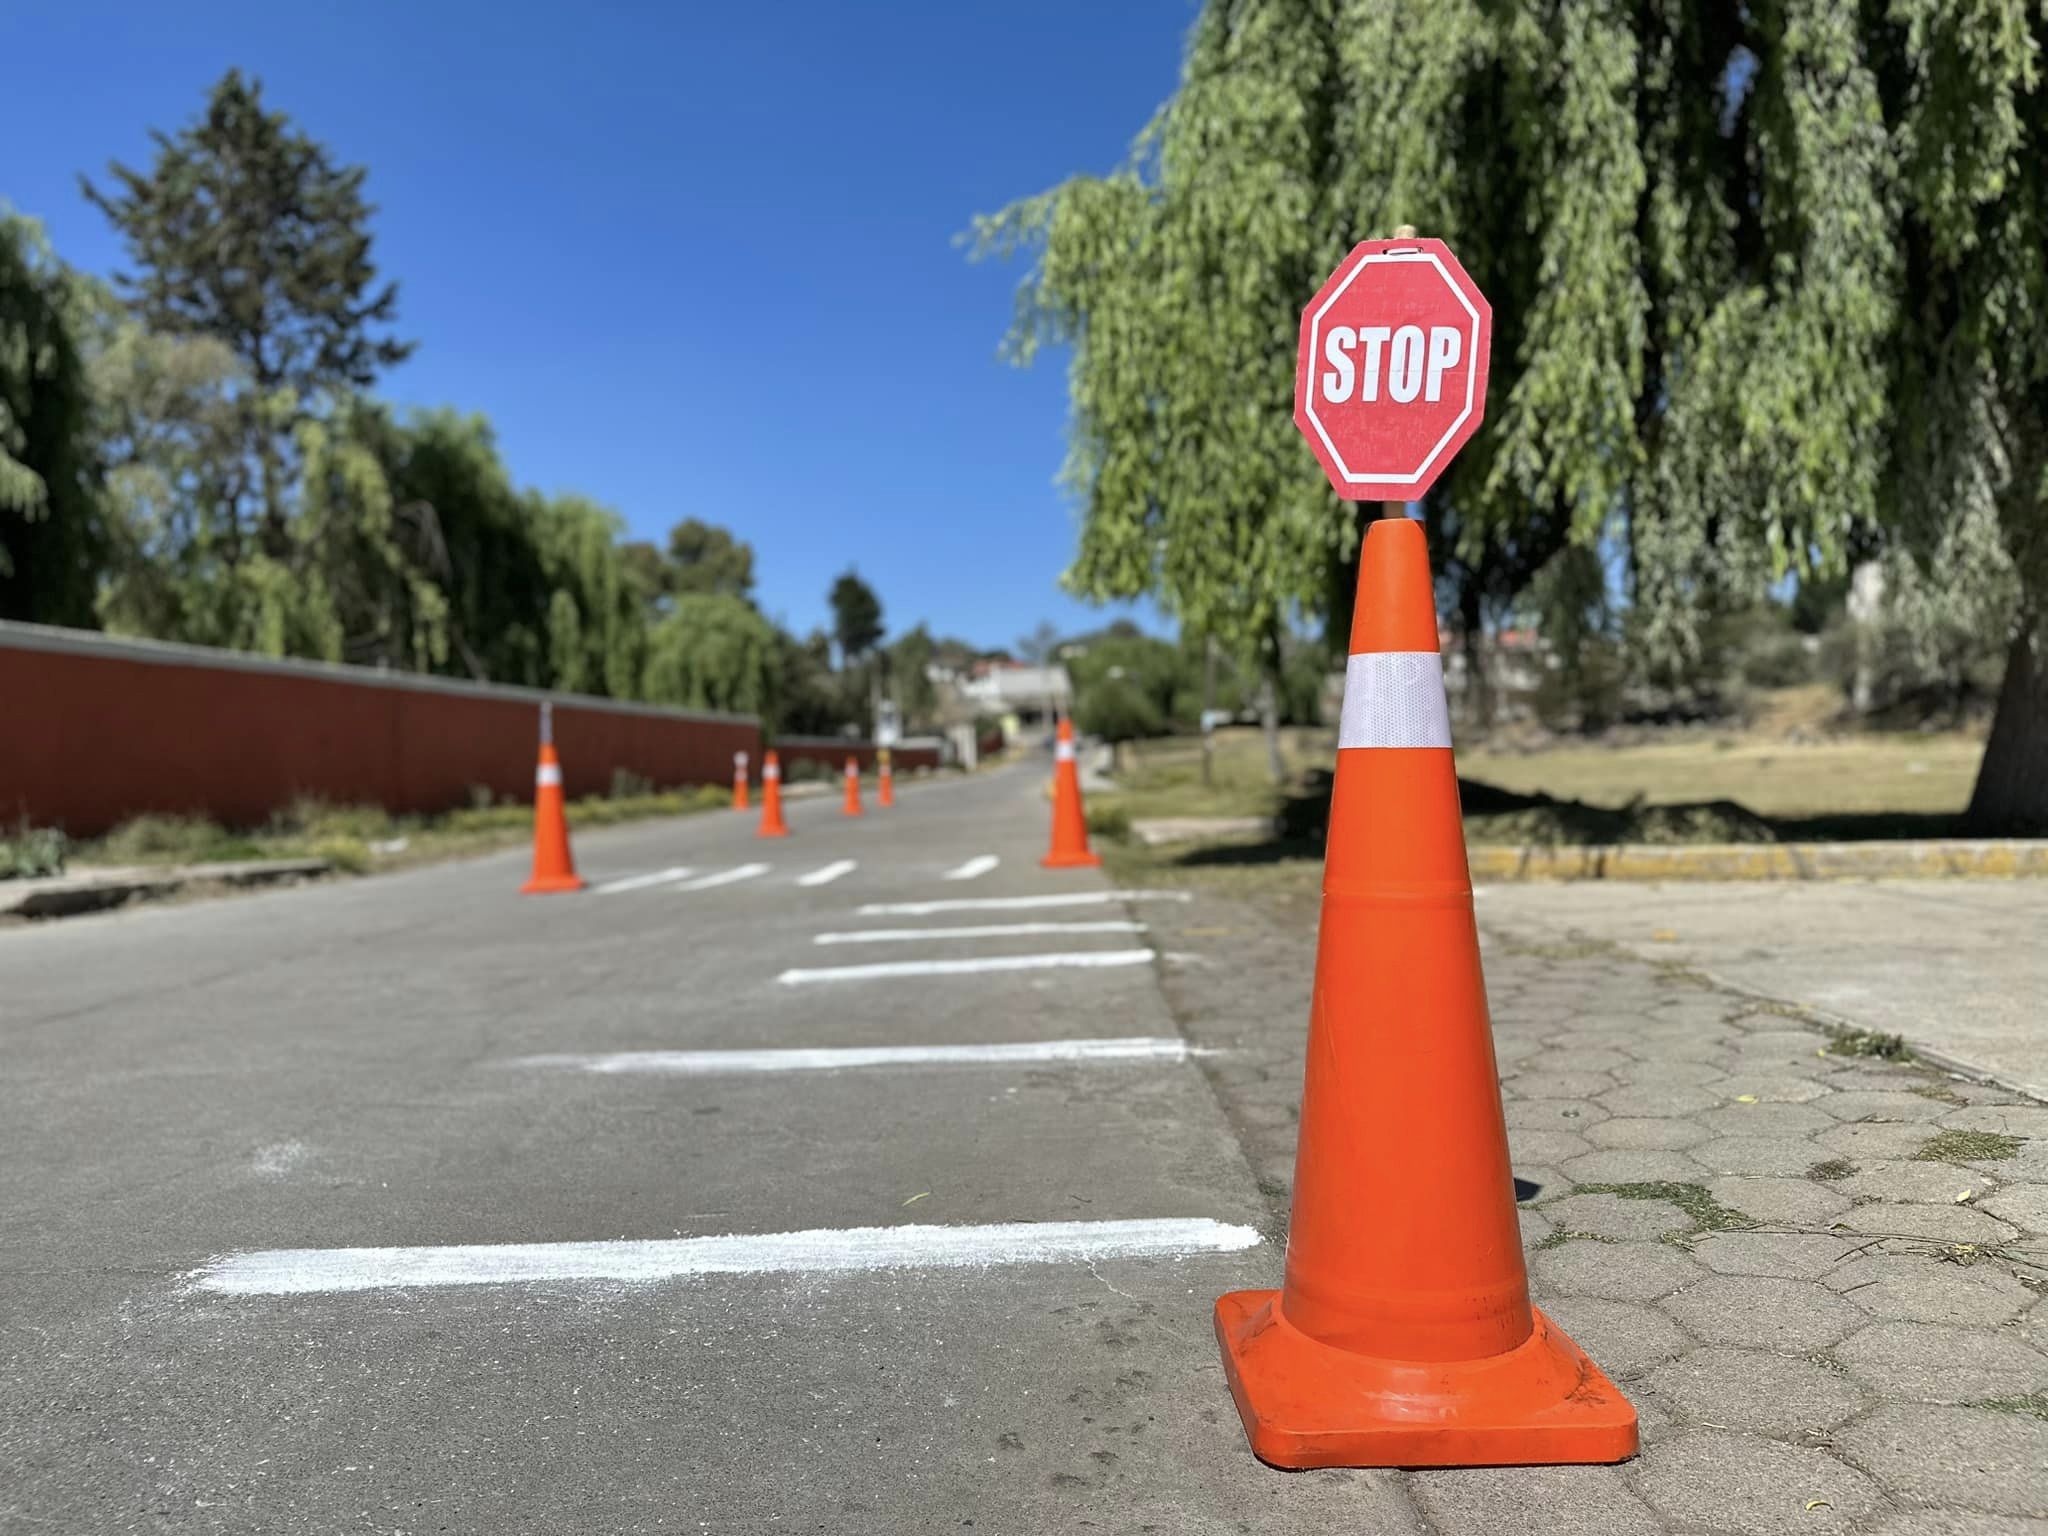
{"x": 350, "y": 1066}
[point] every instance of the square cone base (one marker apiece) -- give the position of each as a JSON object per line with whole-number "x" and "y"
{"x": 1305, "y": 1404}
{"x": 549, "y": 885}
{"x": 1071, "y": 861}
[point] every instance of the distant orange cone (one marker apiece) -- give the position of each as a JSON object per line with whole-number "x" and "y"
{"x": 1402, "y": 1335}
{"x": 1069, "y": 822}
{"x": 885, "y": 781}
{"x": 739, "y": 781}
{"x": 852, "y": 806}
{"x": 772, "y": 824}
{"x": 553, "y": 867}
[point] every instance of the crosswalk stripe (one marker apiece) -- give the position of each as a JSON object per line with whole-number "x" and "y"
{"x": 1015, "y": 903}
{"x": 725, "y": 877}
{"x": 828, "y": 874}
{"x": 974, "y": 931}
{"x": 974, "y": 868}
{"x": 642, "y": 882}
{"x": 844, "y": 1058}
{"x": 1076, "y": 960}
{"x": 311, "y": 1271}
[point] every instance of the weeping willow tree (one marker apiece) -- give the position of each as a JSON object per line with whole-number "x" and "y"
{"x": 1770, "y": 286}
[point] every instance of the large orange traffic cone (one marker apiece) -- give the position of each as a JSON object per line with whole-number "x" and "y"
{"x": 772, "y": 824}
{"x": 1069, "y": 822}
{"x": 553, "y": 867}
{"x": 852, "y": 806}
{"x": 885, "y": 781}
{"x": 739, "y": 781}
{"x": 1402, "y": 1335}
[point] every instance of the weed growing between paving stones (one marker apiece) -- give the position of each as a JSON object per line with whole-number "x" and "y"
{"x": 2034, "y": 1405}
{"x": 1970, "y": 1147}
{"x": 1941, "y": 1093}
{"x": 1844, "y": 1041}
{"x": 1704, "y": 1212}
{"x": 1833, "y": 1168}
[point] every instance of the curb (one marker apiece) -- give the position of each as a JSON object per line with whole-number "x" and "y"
{"x": 96, "y": 890}
{"x": 1989, "y": 858}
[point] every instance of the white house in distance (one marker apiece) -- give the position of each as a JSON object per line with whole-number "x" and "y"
{"x": 1024, "y": 696}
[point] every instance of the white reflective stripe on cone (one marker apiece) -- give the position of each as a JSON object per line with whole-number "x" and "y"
{"x": 1063, "y": 752}
{"x": 771, "y": 772}
{"x": 1394, "y": 699}
{"x": 547, "y": 774}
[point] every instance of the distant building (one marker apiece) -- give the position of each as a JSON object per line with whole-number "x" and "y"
{"x": 1023, "y": 696}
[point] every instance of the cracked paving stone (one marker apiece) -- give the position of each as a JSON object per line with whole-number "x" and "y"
{"x": 1659, "y": 1098}
{"x": 1558, "y": 1085}
{"x": 1639, "y": 1135}
{"x": 1769, "y": 1088}
{"x": 2030, "y": 1120}
{"x": 1800, "y": 1042}
{"x": 1620, "y": 1165}
{"x": 1616, "y": 1219}
{"x": 1546, "y": 1146}
{"x": 1533, "y": 1501}
{"x": 1658, "y": 1071}
{"x": 1765, "y": 1120}
{"x": 1763, "y": 1311}
{"x": 1553, "y": 1114}
{"x": 1716, "y": 1480}
{"x": 1958, "y": 1522}
{"x": 1795, "y": 1202}
{"x": 2024, "y": 1205}
{"x": 1579, "y": 1058}
{"x": 1941, "y": 1223}
{"x": 1877, "y": 1140}
{"x": 1535, "y": 1225}
{"x": 1788, "y": 1255}
{"x": 1749, "y": 1389}
{"x": 1931, "y": 1363}
{"x": 1623, "y": 1337}
{"x": 1974, "y": 1458}
{"x": 1613, "y": 1271}
{"x": 1869, "y": 1104}
{"x": 1912, "y": 1181}
{"x": 1918, "y": 1287}
{"x": 1761, "y": 1155}
{"x": 1537, "y": 1182}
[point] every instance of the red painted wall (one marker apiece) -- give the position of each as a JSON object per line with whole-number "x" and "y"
{"x": 93, "y": 731}
{"x": 832, "y": 752}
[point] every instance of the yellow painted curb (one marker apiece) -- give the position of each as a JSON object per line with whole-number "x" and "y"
{"x": 1992, "y": 858}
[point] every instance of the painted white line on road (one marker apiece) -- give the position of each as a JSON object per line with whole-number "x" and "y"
{"x": 975, "y": 931}
{"x": 1090, "y": 959}
{"x": 974, "y": 868}
{"x": 309, "y": 1271}
{"x": 843, "y": 1058}
{"x": 828, "y": 874}
{"x": 725, "y": 877}
{"x": 641, "y": 882}
{"x": 1015, "y": 903}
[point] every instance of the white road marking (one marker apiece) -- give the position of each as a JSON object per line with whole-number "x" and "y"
{"x": 828, "y": 874}
{"x": 309, "y": 1271}
{"x": 725, "y": 877}
{"x": 976, "y": 931}
{"x": 1015, "y": 903}
{"x": 641, "y": 882}
{"x": 843, "y": 1058}
{"x": 974, "y": 868}
{"x": 1077, "y": 960}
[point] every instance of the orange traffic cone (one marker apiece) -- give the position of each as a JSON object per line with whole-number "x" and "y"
{"x": 1402, "y": 1335}
{"x": 739, "y": 781}
{"x": 772, "y": 824}
{"x": 852, "y": 806}
{"x": 1069, "y": 823}
{"x": 553, "y": 867}
{"x": 885, "y": 781}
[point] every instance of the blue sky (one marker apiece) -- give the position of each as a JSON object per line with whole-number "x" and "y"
{"x": 692, "y": 259}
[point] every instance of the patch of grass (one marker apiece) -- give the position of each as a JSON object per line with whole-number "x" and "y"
{"x": 1941, "y": 1093}
{"x": 1834, "y": 1168}
{"x": 28, "y": 852}
{"x": 1774, "y": 1008}
{"x": 1557, "y": 1239}
{"x": 1109, "y": 819}
{"x": 1970, "y": 1147}
{"x": 2034, "y": 1405}
{"x": 1844, "y": 1041}
{"x": 1704, "y": 1212}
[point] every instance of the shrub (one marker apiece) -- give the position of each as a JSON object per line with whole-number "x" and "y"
{"x": 31, "y": 851}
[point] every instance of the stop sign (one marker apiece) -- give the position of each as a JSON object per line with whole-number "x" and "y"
{"x": 1391, "y": 379}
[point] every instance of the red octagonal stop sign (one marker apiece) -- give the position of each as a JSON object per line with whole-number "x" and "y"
{"x": 1391, "y": 379}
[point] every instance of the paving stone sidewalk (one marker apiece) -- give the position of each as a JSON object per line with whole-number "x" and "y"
{"x": 1816, "y": 1273}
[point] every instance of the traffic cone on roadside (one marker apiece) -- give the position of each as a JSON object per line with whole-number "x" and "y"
{"x": 553, "y": 867}
{"x": 772, "y": 824}
{"x": 739, "y": 781}
{"x": 1069, "y": 822}
{"x": 885, "y": 781}
{"x": 1402, "y": 1335}
{"x": 852, "y": 806}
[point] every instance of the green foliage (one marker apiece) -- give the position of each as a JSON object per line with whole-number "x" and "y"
{"x": 28, "y": 852}
{"x": 910, "y": 658}
{"x": 712, "y": 652}
{"x": 1128, "y": 685}
{"x": 1118, "y": 709}
{"x": 856, "y": 617}
{"x": 706, "y": 558}
{"x": 52, "y": 534}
